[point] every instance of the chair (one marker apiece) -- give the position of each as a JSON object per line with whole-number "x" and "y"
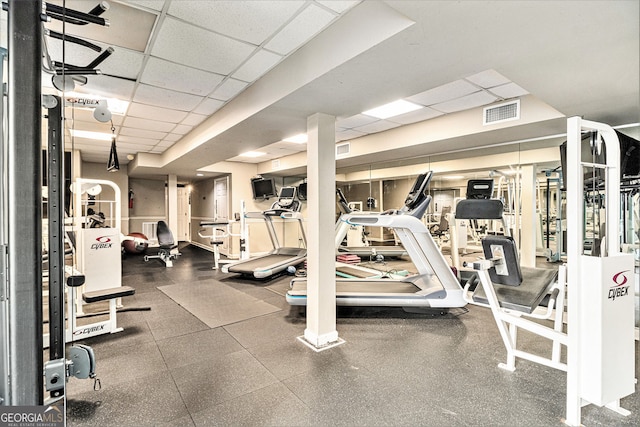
{"x": 512, "y": 292}
{"x": 168, "y": 249}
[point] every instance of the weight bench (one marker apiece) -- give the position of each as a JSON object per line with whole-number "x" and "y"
{"x": 512, "y": 292}
{"x": 168, "y": 250}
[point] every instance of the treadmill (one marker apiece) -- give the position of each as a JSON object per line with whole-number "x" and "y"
{"x": 364, "y": 251}
{"x": 435, "y": 284}
{"x": 287, "y": 207}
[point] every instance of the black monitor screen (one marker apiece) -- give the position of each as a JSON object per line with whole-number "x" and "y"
{"x": 263, "y": 188}
{"x": 287, "y": 192}
{"x": 302, "y": 191}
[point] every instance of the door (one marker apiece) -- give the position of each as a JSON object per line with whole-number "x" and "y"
{"x": 184, "y": 215}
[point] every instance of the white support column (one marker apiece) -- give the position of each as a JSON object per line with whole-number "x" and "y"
{"x": 321, "y": 330}
{"x": 528, "y": 216}
{"x": 172, "y": 204}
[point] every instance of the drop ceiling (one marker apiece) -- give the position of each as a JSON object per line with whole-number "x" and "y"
{"x": 207, "y": 81}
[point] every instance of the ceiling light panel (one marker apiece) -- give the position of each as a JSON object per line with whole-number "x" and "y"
{"x": 165, "y": 98}
{"x": 302, "y": 28}
{"x": 228, "y": 89}
{"x": 156, "y": 113}
{"x": 134, "y": 122}
{"x": 251, "y": 21}
{"x": 474, "y": 100}
{"x": 391, "y": 109}
{"x": 355, "y": 121}
{"x": 212, "y": 52}
{"x": 169, "y": 75}
{"x": 420, "y": 115}
{"x": 444, "y": 93}
{"x": 488, "y": 78}
{"x": 257, "y": 65}
{"x": 300, "y": 138}
{"x": 253, "y": 154}
{"x": 98, "y": 136}
{"x": 208, "y": 106}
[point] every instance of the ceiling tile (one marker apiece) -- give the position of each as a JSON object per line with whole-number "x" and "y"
{"x": 85, "y": 115}
{"x": 212, "y": 52}
{"x": 488, "y": 78}
{"x": 165, "y": 144}
{"x": 251, "y": 21}
{"x": 338, "y": 6}
{"x": 173, "y": 137}
{"x": 443, "y": 93}
{"x": 228, "y": 89}
{"x": 304, "y": 26}
{"x": 510, "y": 90}
{"x": 378, "y": 126}
{"x": 135, "y": 122}
{"x": 208, "y": 106}
{"x": 182, "y": 129}
{"x": 137, "y": 140}
{"x": 149, "y": 4}
{"x": 166, "y": 98}
{"x": 466, "y": 102}
{"x": 109, "y": 87}
{"x": 169, "y": 75}
{"x": 355, "y": 121}
{"x": 425, "y": 113}
{"x": 156, "y": 113}
{"x": 257, "y": 65}
{"x": 348, "y": 134}
{"x": 131, "y": 147}
{"x": 194, "y": 119}
{"x": 157, "y": 150}
{"x": 142, "y": 133}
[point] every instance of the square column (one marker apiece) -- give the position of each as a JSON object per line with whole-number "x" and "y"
{"x": 321, "y": 330}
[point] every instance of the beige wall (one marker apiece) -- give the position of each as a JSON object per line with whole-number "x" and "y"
{"x": 149, "y": 202}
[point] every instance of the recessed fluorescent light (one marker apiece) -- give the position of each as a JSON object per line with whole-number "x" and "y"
{"x": 252, "y": 154}
{"x": 90, "y": 135}
{"x": 391, "y": 109}
{"x": 453, "y": 177}
{"x": 301, "y": 138}
{"x": 199, "y": 174}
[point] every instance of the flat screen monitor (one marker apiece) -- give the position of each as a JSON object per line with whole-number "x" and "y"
{"x": 287, "y": 192}
{"x": 479, "y": 188}
{"x": 263, "y": 188}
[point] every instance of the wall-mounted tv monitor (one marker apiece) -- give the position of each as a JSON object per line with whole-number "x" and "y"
{"x": 302, "y": 191}
{"x": 263, "y": 188}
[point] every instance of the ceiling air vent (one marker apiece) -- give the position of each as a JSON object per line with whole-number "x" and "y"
{"x": 501, "y": 112}
{"x": 343, "y": 149}
{"x": 275, "y": 164}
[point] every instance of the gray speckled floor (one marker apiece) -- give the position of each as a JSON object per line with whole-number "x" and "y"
{"x": 168, "y": 368}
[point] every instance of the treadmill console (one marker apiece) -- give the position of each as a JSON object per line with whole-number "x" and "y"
{"x": 287, "y": 201}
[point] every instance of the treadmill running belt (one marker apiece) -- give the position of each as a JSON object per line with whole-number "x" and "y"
{"x": 260, "y": 263}
{"x": 299, "y": 287}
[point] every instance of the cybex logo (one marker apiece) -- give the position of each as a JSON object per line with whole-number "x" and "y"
{"x": 619, "y": 289}
{"x": 104, "y": 242}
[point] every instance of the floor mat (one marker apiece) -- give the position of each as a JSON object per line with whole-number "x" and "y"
{"x": 216, "y": 304}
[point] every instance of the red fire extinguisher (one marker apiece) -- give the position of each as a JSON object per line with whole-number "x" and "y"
{"x": 130, "y": 198}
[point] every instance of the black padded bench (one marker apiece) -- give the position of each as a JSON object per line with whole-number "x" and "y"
{"x": 107, "y": 294}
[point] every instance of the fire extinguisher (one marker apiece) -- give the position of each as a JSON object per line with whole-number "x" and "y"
{"x": 130, "y": 198}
